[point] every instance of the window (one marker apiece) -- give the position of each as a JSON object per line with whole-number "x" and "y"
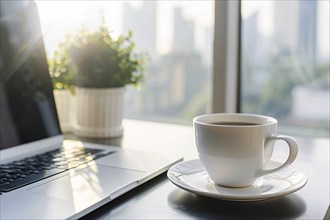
{"x": 271, "y": 57}
{"x": 285, "y": 63}
{"x": 177, "y": 35}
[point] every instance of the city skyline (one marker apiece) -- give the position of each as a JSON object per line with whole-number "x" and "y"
{"x": 174, "y": 78}
{"x": 266, "y": 24}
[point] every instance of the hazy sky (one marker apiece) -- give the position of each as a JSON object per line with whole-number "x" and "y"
{"x": 59, "y": 17}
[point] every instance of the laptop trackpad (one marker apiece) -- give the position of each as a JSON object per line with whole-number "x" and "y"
{"x": 90, "y": 184}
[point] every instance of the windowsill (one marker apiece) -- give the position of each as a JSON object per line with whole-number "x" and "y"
{"x": 178, "y": 140}
{"x": 153, "y": 136}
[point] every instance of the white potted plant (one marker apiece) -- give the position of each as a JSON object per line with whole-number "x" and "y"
{"x": 102, "y": 66}
{"x": 61, "y": 75}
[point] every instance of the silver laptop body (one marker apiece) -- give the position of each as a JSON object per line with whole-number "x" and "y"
{"x": 78, "y": 191}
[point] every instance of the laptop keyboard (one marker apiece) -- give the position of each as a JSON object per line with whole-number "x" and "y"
{"x": 31, "y": 169}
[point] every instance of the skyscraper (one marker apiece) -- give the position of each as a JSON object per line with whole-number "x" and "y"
{"x": 308, "y": 27}
{"x": 142, "y": 22}
{"x": 286, "y": 23}
{"x": 296, "y": 24}
{"x": 183, "y": 39}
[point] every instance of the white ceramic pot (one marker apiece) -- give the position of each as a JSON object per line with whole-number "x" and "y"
{"x": 99, "y": 112}
{"x": 65, "y": 106}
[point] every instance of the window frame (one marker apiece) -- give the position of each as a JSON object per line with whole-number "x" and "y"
{"x": 226, "y": 57}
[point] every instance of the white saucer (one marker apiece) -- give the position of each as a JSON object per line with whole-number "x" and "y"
{"x": 191, "y": 176}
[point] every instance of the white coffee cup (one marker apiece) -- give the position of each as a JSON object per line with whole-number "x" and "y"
{"x": 234, "y": 148}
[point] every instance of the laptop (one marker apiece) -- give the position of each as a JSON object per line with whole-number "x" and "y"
{"x": 42, "y": 175}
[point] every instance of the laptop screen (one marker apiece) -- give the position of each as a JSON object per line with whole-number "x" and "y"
{"x": 27, "y": 107}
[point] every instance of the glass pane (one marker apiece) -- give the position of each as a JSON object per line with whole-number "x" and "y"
{"x": 177, "y": 35}
{"x": 285, "y": 63}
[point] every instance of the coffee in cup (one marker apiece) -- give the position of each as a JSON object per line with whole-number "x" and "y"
{"x": 234, "y": 147}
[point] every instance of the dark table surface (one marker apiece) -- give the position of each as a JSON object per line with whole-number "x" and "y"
{"x": 160, "y": 199}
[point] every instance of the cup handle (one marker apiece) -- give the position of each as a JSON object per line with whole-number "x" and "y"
{"x": 293, "y": 151}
